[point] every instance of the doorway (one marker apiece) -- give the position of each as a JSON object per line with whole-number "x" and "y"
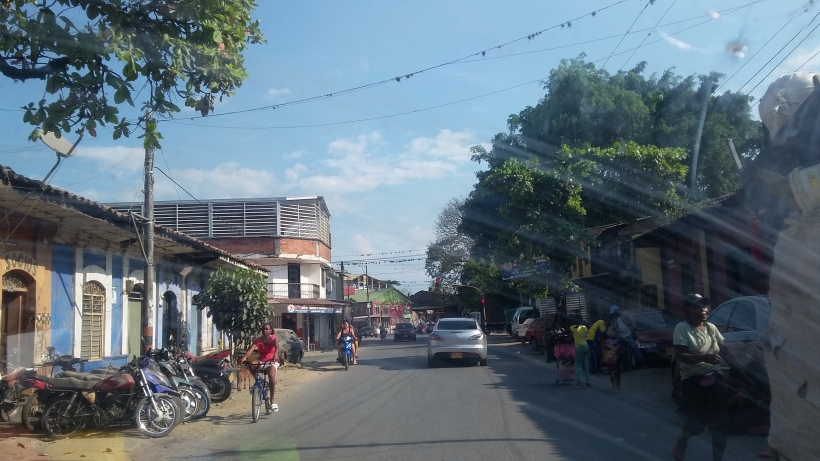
{"x": 136, "y": 321}
{"x": 17, "y": 320}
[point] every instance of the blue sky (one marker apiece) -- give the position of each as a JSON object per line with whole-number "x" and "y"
{"x": 385, "y": 180}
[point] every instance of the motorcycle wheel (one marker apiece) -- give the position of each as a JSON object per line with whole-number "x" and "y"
{"x": 189, "y": 402}
{"x": 219, "y": 387}
{"x": 203, "y": 402}
{"x": 255, "y": 403}
{"x": 32, "y": 411}
{"x": 153, "y": 423}
{"x": 59, "y": 421}
{"x": 347, "y": 362}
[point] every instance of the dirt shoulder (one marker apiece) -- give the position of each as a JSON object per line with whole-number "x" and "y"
{"x": 121, "y": 444}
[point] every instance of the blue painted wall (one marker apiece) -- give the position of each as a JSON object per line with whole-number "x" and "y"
{"x": 62, "y": 297}
{"x": 117, "y": 308}
{"x": 93, "y": 258}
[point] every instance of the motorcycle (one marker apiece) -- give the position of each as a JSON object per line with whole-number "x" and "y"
{"x": 135, "y": 392}
{"x": 12, "y": 395}
{"x": 38, "y": 390}
{"x": 383, "y": 333}
{"x": 217, "y": 374}
{"x": 195, "y": 395}
{"x": 346, "y": 348}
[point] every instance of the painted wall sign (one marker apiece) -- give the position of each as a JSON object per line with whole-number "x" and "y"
{"x": 20, "y": 261}
{"x": 296, "y": 309}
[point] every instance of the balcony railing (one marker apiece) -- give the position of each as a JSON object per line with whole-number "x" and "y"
{"x": 293, "y": 290}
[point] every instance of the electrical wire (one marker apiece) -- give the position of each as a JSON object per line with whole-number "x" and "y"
{"x": 169, "y": 169}
{"x": 627, "y": 31}
{"x": 647, "y": 35}
{"x": 754, "y": 55}
{"x": 784, "y": 58}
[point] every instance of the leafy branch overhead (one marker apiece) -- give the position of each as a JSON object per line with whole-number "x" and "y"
{"x": 95, "y": 55}
{"x": 238, "y": 303}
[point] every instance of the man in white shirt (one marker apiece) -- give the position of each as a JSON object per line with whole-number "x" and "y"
{"x": 626, "y": 338}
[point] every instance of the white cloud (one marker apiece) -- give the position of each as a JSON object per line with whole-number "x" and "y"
{"x": 296, "y": 154}
{"x": 801, "y": 59}
{"x": 227, "y": 180}
{"x": 293, "y": 173}
{"x": 274, "y": 93}
{"x": 357, "y": 164}
{"x": 419, "y": 236}
{"x": 116, "y": 158}
{"x": 362, "y": 244}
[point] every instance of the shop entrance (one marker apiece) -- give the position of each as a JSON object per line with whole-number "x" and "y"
{"x": 17, "y": 319}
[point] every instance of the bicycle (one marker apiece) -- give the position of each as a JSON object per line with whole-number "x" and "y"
{"x": 259, "y": 389}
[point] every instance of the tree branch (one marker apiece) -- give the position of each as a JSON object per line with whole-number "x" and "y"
{"x": 53, "y": 66}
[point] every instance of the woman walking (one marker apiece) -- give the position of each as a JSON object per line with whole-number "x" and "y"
{"x": 579, "y": 334}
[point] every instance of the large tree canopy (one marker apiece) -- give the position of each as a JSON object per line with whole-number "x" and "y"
{"x": 237, "y": 301}
{"x": 96, "y": 54}
{"x": 588, "y": 107}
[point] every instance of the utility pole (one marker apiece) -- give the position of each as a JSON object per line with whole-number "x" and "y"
{"x": 367, "y": 290}
{"x": 696, "y": 150}
{"x": 150, "y": 274}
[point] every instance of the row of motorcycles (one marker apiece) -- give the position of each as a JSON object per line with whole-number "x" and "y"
{"x": 154, "y": 393}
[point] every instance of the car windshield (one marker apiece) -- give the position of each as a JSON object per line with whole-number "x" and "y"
{"x": 653, "y": 320}
{"x": 456, "y": 325}
{"x": 177, "y": 173}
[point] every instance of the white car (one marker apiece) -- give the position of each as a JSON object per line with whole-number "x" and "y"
{"x": 457, "y": 338}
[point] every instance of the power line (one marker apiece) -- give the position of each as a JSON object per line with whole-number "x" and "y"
{"x": 406, "y": 76}
{"x": 647, "y": 35}
{"x": 778, "y": 52}
{"x": 627, "y": 31}
{"x": 756, "y": 53}
{"x": 784, "y": 57}
{"x": 382, "y": 253}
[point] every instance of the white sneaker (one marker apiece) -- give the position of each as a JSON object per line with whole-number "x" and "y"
{"x": 274, "y": 407}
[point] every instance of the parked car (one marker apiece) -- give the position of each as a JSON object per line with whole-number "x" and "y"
{"x": 365, "y": 332}
{"x": 653, "y": 329}
{"x": 535, "y": 333}
{"x": 743, "y": 322}
{"x": 404, "y": 330}
{"x": 291, "y": 348}
{"x": 521, "y": 320}
{"x": 457, "y": 339}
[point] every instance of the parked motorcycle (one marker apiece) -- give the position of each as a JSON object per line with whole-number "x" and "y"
{"x": 38, "y": 390}
{"x": 195, "y": 395}
{"x": 136, "y": 392}
{"x": 217, "y": 374}
{"x": 12, "y": 394}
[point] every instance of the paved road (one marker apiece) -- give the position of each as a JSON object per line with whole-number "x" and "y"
{"x": 391, "y": 406}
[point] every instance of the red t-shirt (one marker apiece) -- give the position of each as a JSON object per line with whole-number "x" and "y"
{"x": 267, "y": 351}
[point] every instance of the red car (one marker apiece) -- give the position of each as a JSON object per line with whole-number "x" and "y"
{"x": 535, "y": 333}
{"x": 653, "y": 329}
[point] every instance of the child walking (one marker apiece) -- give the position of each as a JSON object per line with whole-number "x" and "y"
{"x": 610, "y": 349}
{"x": 579, "y": 334}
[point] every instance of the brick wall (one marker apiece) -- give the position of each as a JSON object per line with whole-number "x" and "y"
{"x": 245, "y": 245}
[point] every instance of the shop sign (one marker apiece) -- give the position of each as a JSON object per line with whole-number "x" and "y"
{"x": 20, "y": 261}
{"x": 298, "y": 309}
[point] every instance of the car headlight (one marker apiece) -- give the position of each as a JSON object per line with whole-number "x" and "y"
{"x": 646, "y": 345}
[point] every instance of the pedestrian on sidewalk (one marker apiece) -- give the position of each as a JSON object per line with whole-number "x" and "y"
{"x": 705, "y": 396}
{"x": 596, "y": 331}
{"x": 610, "y": 353}
{"x": 579, "y": 334}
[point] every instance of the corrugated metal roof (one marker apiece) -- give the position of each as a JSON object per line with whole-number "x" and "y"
{"x": 88, "y": 222}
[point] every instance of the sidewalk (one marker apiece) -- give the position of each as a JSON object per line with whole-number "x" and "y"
{"x": 115, "y": 444}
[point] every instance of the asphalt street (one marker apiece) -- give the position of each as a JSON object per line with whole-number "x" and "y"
{"x": 392, "y": 406}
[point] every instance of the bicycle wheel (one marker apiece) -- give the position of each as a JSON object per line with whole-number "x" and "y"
{"x": 160, "y": 421}
{"x": 256, "y": 402}
{"x": 61, "y": 418}
{"x": 266, "y": 395}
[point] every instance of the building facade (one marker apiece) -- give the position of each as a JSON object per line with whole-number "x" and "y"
{"x": 73, "y": 279}
{"x": 289, "y": 237}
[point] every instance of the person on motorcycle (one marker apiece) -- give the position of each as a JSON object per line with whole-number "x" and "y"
{"x": 346, "y": 329}
{"x": 267, "y": 346}
{"x": 383, "y": 331}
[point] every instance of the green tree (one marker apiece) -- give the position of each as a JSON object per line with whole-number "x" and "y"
{"x": 518, "y": 210}
{"x": 451, "y": 249}
{"x": 588, "y": 107}
{"x": 237, "y": 301}
{"x": 93, "y": 54}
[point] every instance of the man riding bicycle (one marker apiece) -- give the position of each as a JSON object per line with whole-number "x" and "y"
{"x": 267, "y": 346}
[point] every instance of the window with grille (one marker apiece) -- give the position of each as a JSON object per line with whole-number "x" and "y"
{"x": 93, "y": 321}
